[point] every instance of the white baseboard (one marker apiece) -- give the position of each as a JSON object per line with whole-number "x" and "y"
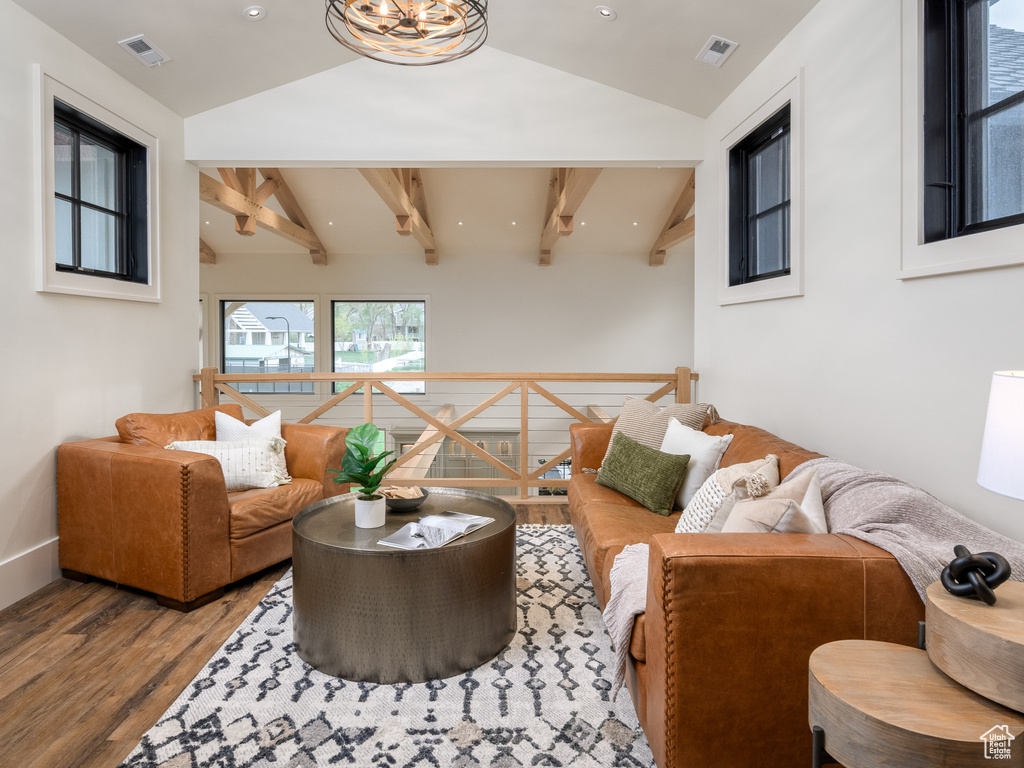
{"x": 25, "y": 573}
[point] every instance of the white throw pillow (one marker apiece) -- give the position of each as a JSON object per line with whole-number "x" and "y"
{"x": 793, "y": 507}
{"x": 705, "y": 452}
{"x": 245, "y": 463}
{"x": 710, "y": 506}
{"x": 230, "y": 429}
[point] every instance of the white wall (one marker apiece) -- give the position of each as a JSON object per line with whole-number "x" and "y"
{"x": 885, "y": 374}
{"x": 499, "y": 312}
{"x": 493, "y": 108}
{"x": 72, "y": 365}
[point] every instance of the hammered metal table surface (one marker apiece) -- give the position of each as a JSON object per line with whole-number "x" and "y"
{"x": 373, "y": 613}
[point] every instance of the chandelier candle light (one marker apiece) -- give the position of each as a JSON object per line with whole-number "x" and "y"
{"x": 408, "y": 32}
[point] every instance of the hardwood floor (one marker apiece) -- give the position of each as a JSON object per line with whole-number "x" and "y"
{"x": 86, "y": 669}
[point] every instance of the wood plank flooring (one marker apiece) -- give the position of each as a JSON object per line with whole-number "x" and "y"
{"x": 86, "y": 669}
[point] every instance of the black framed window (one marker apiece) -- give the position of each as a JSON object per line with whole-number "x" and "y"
{"x": 380, "y": 336}
{"x": 759, "y": 202}
{"x": 268, "y": 337}
{"x": 973, "y": 116}
{"x": 100, "y": 198}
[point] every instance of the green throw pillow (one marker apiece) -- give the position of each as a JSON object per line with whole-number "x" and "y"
{"x": 651, "y": 477}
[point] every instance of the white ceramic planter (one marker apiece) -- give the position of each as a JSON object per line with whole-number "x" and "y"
{"x": 370, "y": 513}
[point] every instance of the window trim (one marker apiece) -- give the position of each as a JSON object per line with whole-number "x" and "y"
{"x": 985, "y": 249}
{"x": 49, "y": 278}
{"x": 782, "y": 286}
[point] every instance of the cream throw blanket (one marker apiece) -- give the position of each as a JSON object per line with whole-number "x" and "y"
{"x": 912, "y": 525}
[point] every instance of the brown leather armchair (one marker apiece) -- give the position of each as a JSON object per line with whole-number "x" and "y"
{"x": 131, "y": 512}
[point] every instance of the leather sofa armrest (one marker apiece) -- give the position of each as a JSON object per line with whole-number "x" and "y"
{"x": 731, "y": 622}
{"x": 312, "y": 449}
{"x": 588, "y": 443}
{"x": 143, "y": 516}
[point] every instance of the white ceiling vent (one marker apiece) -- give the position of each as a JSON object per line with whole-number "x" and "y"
{"x": 716, "y": 51}
{"x": 142, "y": 48}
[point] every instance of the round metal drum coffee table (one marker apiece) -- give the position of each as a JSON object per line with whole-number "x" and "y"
{"x": 366, "y": 611}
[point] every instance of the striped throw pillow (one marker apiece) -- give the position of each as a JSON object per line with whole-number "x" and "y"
{"x": 647, "y": 423}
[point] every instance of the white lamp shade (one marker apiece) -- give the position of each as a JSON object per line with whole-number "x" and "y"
{"x": 1002, "y": 449}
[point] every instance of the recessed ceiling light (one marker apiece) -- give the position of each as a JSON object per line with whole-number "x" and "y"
{"x": 460, "y": 223}
{"x": 514, "y": 223}
{"x": 254, "y": 12}
{"x": 583, "y": 223}
{"x": 330, "y": 223}
{"x": 636, "y": 223}
{"x": 207, "y": 222}
{"x": 605, "y": 12}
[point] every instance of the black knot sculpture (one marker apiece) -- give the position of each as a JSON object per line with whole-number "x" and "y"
{"x": 976, "y": 576}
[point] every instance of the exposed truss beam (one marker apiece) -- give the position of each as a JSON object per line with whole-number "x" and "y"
{"x": 679, "y": 226}
{"x": 206, "y": 254}
{"x": 284, "y": 196}
{"x": 233, "y": 201}
{"x": 568, "y": 189}
{"x": 401, "y": 189}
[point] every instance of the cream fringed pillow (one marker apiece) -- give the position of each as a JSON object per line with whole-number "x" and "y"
{"x": 230, "y": 429}
{"x": 793, "y": 507}
{"x": 714, "y": 500}
{"x": 245, "y": 463}
{"x": 646, "y": 423}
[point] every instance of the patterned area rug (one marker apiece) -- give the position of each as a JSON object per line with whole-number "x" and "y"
{"x": 543, "y": 701}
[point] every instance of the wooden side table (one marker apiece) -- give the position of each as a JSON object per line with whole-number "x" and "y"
{"x": 882, "y": 704}
{"x": 980, "y": 646}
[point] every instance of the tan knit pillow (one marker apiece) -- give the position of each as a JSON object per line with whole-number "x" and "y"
{"x": 647, "y": 423}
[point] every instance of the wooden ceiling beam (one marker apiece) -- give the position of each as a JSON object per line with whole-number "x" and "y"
{"x": 571, "y": 186}
{"x": 679, "y": 226}
{"x": 229, "y": 177}
{"x": 227, "y": 199}
{"x": 206, "y": 254}
{"x": 290, "y": 205}
{"x": 397, "y": 187}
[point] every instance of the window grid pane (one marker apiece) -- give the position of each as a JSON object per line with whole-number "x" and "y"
{"x": 98, "y": 240}
{"x": 254, "y": 342}
{"x": 380, "y": 336}
{"x": 98, "y": 175}
{"x": 63, "y": 160}
{"x": 64, "y": 232}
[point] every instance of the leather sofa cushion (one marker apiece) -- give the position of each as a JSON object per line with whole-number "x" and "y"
{"x": 603, "y": 528}
{"x": 159, "y": 429}
{"x": 260, "y": 508}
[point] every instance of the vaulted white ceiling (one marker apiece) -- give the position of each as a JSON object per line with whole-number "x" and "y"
{"x": 219, "y": 56}
{"x": 556, "y": 85}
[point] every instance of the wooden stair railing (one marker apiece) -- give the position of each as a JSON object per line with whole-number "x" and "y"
{"x": 409, "y": 469}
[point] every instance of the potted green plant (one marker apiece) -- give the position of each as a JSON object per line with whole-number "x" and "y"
{"x": 360, "y": 466}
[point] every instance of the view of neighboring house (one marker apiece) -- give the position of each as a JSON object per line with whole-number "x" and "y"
{"x": 267, "y": 334}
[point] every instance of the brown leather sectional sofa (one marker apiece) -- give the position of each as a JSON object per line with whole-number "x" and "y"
{"x": 718, "y": 663}
{"x": 133, "y": 513}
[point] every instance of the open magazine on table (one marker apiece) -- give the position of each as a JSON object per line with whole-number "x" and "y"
{"x": 433, "y": 531}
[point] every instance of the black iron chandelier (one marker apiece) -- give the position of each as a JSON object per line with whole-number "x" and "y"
{"x": 409, "y": 32}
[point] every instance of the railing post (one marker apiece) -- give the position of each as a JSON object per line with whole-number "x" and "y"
{"x": 367, "y": 402}
{"x": 208, "y": 394}
{"x": 682, "y": 385}
{"x": 524, "y": 439}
